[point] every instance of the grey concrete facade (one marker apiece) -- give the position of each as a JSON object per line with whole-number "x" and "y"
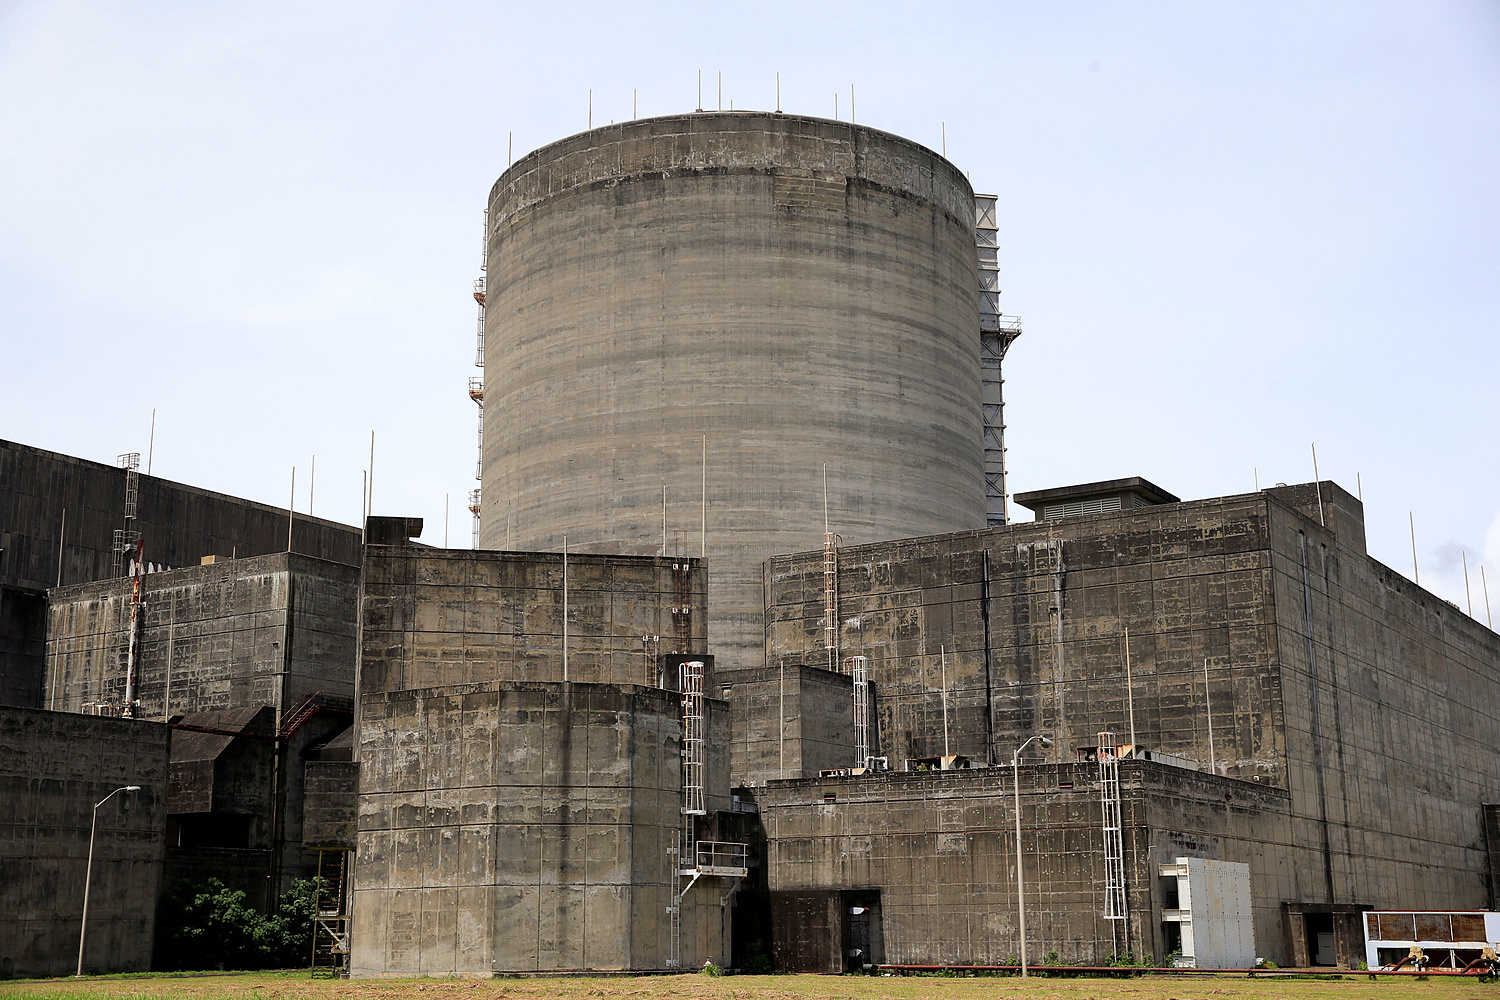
{"x": 269, "y": 630}
{"x": 54, "y": 767}
{"x": 179, "y": 524}
{"x": 801, "y": 291}
{"x": 515, "y": 814}
{"x": 1369, "y": 701}
{"x": 788, "y": 722}
{"x": 220, "y": 644}
{"x": 58, "y": 515}
{"x": 934, "y": 854}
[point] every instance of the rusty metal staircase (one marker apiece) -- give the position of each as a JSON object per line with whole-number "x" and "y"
{"x": 330, "y": 948}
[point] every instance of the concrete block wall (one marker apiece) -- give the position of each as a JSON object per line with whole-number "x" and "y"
{"x": 788, "y": 722}
{"x": 1377, "y": 728}
{"x": 40, "y": 548}
{"x": 53, "y": 768}
{"x": 511, "y": 820}
{"x": 438, "y": 617}
{"x": 23, "y": 645}
{"x": 269, "y": 630}
{"x": 1191, "y": 582}
{"x": 522, "y": 827}
{"x": 1389, "y": 722}
{"x": 179, "y": 524}
{"x": 940, "y": 849}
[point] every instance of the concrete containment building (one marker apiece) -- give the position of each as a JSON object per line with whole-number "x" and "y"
{"x": 801, "y": 291}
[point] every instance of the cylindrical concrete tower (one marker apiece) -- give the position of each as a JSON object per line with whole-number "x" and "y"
{"x": 801, "y": 291}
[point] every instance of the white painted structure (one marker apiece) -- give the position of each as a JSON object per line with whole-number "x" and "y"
{"x": 1213, "y": 912}
{"x": 1450, "y": 938}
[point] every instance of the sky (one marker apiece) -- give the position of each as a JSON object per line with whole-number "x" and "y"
{"x": 1231, "y": 230}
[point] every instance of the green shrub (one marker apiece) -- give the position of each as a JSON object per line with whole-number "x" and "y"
{"x": 209, "y": 926}
{"x": 757, "y": 965}
{"x": 710, "y": 969}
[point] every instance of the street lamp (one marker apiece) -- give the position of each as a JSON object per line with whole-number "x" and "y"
{"x": 1015, "y": 763}
{"x": 89, "y": 873}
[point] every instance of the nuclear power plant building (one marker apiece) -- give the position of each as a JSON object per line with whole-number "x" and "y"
{"x": 749, "y": 663}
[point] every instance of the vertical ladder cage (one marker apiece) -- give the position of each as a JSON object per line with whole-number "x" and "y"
{"x": 692, "y": 739}
{"x": 126, "y": 537}
{"x": 330, "y": 945}
{"x": 857, "y": 671}
{"x": 831, "y": 597}
{"x": 693, "y": 859}
{"x": 1114, "y": 841}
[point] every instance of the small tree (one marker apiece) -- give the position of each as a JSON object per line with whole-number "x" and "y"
{"x": 210, "y": 926}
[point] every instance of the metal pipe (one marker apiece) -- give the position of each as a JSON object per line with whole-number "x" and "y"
{"x": 1415, "y": 576}
{"x": 943, "y": 662}
{"x": 1208, "y": 710}
{"x": 1467, "y": 596}
{"x": 565, "y": 609}
{"x": 1318, "y": 484}
{"x": 1015, "y": 763}
{"x": 291, "y": 506}
{"x": 89, "y": 871}
{"x": 1130, "y": 692}
{"x": 703, "y": 516}
{"x": 1487, "y": 619}
{"x": 62, "y": 533}
{"x": 135, "y": 631}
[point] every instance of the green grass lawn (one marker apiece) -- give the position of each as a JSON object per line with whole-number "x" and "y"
{"x": 297, "y": 986}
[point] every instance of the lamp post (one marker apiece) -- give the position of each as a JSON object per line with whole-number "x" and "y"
{"x": 89, "y": 873}
{"x": 1015, "y": 763}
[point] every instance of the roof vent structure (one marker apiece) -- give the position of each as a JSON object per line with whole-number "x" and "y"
{"x": 1094, "y": 498}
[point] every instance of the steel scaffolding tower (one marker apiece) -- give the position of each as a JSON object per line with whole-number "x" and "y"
{"x": 996, "y": 334}
{"x": 1114, "y": 841}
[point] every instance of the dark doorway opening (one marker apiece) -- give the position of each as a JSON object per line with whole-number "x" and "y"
{"x": 1321, "y": 947}
{"x": 863, "y": 944}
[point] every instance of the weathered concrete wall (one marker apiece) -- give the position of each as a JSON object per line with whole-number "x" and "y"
{"x": 438, "y": 617}
{"x": 230, "y": 637}
{"x": 940, "y": 849}
{"x": 1189, "y": 581}
{"x": 523, "y": 827}
{"x": 330, "y": 811}
{"x": 1378, "y": 728}
{"x": 271, "y": 630}
{"x": 788, "y": 722}
{"x": 53, "y": 768}
{"x": 1391, "y": 699}
{"x": 511, "y": 820}
{"x": 23, "y": 645}
{"x": 179, "y": 524}
{"x": 801, "y": 291}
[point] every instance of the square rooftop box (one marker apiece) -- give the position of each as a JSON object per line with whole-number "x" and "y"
{"x": 1094, "y": 498}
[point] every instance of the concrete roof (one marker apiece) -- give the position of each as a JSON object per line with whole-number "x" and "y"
{"x": 1035, "y": 499}
{"x": 188, "y": 745}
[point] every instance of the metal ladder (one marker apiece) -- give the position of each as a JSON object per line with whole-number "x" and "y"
{"x": 330, "y": 950}
{"x": 1114, "y": 841}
